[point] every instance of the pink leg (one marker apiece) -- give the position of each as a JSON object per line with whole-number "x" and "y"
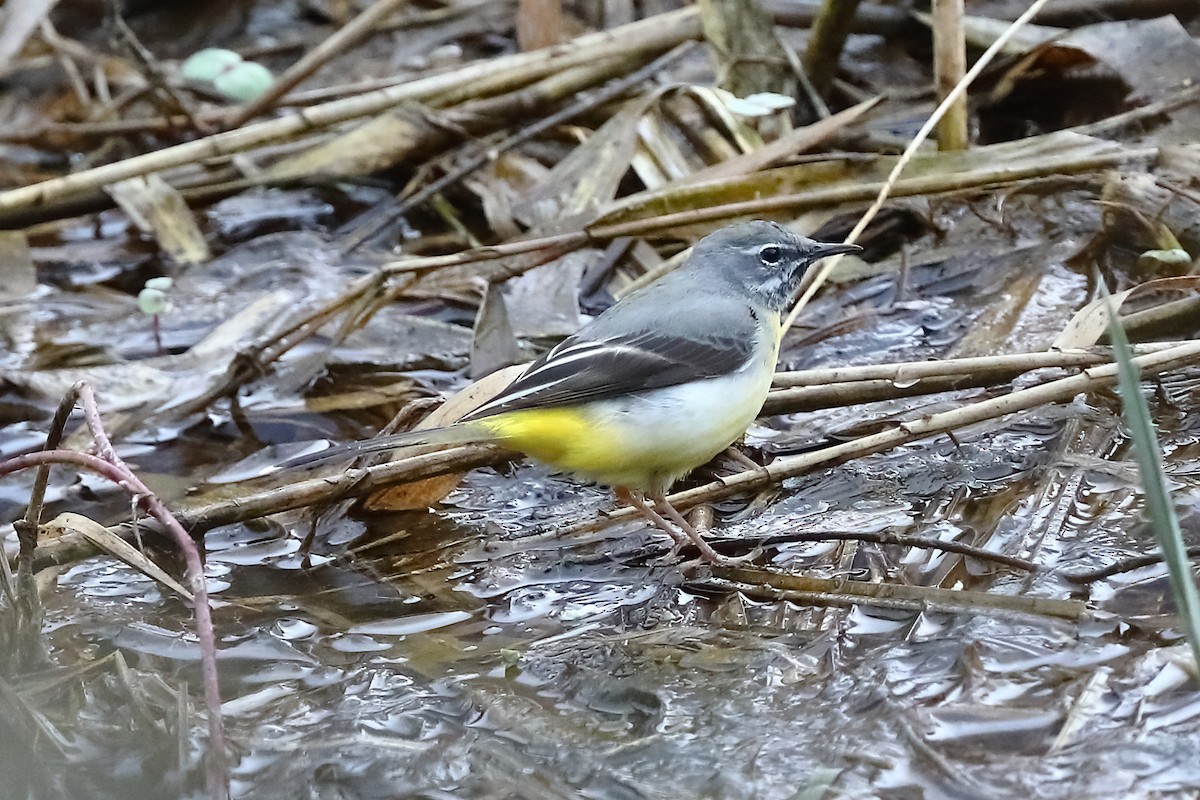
{"x": 707, "y": 553}
{"x": 638, "y": 502}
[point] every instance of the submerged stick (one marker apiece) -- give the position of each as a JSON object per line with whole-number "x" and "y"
{"x": 840, "y": 591}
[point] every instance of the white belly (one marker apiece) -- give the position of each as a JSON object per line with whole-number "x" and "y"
{"x": 666, "y": 433}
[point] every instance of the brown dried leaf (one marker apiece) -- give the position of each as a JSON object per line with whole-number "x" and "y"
{"x": 1091, "y": 321}
{"x": 425, "y": 493}
{"x": 114, "y": 545}
{"x": 158, "y": 210}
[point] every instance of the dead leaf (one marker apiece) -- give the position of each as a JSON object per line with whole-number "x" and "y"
{"x": 114, "y": 545}
{"x": 425, "y": 493}
{"x": 1091, "y": 321}
{"x": 158, "y": 210}
{"x": 493, "y": 345}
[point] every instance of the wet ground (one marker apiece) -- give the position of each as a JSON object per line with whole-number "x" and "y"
{"x": 463, "y": 653}
{"x": 471, "y": 651}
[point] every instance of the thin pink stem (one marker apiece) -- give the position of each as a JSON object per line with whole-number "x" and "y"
{"x": 218, "y": 778}
{"x": 109, "y": 465}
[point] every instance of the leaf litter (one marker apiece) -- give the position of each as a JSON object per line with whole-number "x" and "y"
{"x": 387, "y": 649}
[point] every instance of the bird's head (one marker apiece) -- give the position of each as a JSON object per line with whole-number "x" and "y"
{"x": 761, "y": 259}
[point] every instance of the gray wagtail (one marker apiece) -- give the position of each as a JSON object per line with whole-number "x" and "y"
{"x": 656, "y": 385}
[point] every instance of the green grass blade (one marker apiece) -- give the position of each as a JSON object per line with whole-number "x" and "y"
{"x": 1159, "y": 506}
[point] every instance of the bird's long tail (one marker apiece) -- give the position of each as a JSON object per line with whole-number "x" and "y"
{"x": 459, "y": 433}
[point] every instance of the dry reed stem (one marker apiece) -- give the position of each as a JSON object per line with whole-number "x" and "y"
{"x": 1057, "y": 391}
{"x": 923, "y": 134}
{"x": 825, "y": 197}
{"x": 949, "y": 66}
{"x": 358, "y": 482}
{"x": 905, "y": 371}
{"x": 656, "y": 33}
{"x": 331, "y": 47}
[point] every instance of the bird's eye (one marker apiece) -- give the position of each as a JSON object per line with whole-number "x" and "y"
{"x": 770, "y": 254}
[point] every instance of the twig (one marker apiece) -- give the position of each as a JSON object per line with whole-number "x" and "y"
{"x": 850, "y": 592}
{"x": 37, "y": 495}
{"x": 343, "y": 39}
{"x": 820, "y": 274}
{"x": 26, "y": 602}
{"x": 161, "y": 87}
{"x": 1124, "y": 565}
{"x": 74, "y": 77}
{"x": 726, "y": 544}
{"x": 254, "y": 360}
{"x": 788, "y": 145}
{"x": 218, "y": 776}
{"x": 110, "y": 465}
{"x": 1118, "y": 121}
{"x": 583, "y": 104}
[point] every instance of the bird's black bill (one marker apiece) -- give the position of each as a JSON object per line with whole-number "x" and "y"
{"x": 828, "y": 249}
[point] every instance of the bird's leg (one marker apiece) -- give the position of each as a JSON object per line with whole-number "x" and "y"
{"x": 707, "y": 553}
{"x": 650, "y": 514}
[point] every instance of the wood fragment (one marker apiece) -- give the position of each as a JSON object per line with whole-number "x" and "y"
{"x": 830, "y": 29}
{"x": 949, "y": 66}
{"x": 844, "y": 591}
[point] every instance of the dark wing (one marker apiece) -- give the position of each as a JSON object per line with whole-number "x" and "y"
{"x": 584, "y": 369}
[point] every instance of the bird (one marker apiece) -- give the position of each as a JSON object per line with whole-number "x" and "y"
{"x": 657, "y": 384}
